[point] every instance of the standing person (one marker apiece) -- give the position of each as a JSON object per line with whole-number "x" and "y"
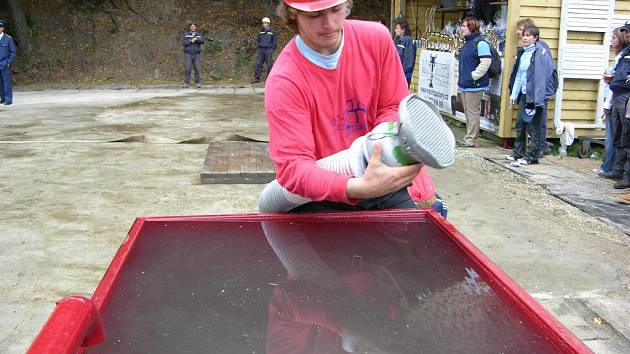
{"x": 474, "y": 61}
{"x": 335, "y": 81}
{"x": 7, "y": 57}
{"x": 406, "y": 49}
{"x": 192, "y": 42}
{"x": 266, "y": 43}
{"x": 533, "y": 85}
{"x": 620, "y": 87}
{"x": 545, "y": 148}
{"x": 618, "y": 42}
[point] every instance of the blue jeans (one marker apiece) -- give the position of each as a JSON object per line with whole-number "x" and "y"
{"x": 609, "y": 155}
{"x": 534, "y": 128}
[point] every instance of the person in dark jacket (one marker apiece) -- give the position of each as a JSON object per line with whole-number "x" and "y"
{"x": 619, "y": 41}
{"x": 474, "y": 61}
{"x": 266, "y": 43}
{"x": 406, "y": 49}
{"x": 535, "y": 81}
{"x": 192, "y": 42}
{"x": 620, "y": 118}
{"x": 485, "y": 11}
{"x": 7, "y": 57}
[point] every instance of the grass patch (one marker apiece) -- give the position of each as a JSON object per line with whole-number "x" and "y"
{"x": 241, "y": 64}
{"x": 213, "y": 47}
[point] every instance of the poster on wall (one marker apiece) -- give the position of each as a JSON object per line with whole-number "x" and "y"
{"x": 437, "y": 74}
{"x": 438, "y": 83}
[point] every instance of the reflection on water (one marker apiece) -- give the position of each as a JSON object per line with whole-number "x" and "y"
{"x": 308, "y": 287}
{"x": 387, "y": 289}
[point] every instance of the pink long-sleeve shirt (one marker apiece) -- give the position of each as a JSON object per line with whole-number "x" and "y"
{"x": 315, "y": 112}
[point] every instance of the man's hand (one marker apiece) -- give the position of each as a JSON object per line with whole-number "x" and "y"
{"x": 194, "y": 39}
{"x": 380, "y": 179}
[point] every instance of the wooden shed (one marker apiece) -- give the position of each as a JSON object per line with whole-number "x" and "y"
{"x": 578, "y": 33}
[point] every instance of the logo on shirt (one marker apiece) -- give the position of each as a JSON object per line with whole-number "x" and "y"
{"x": 354, "y": 118}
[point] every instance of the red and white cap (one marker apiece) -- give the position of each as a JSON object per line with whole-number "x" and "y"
{"x": 313, "y": 5}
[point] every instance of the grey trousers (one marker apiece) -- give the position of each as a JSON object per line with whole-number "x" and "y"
{"x": 472, "y": 109}
{"x": 621, "y": 163}
{"x": 264, "y": 55}
{"x": 191, "y": 61}
{"x": 396, "y": 200}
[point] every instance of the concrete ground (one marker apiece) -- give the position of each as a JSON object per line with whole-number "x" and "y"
{"x": 68, "y": 196}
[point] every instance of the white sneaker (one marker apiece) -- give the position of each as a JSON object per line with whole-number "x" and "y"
{"x": 511, "y": 158}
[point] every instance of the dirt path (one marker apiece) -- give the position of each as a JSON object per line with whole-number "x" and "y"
{"x": 68, "y": 197}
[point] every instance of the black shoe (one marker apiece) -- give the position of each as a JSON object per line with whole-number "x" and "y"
{"x": 1, "y": 100}
{"x": 467, "y": 144}
{"x": 610, "y": 175}
{"x": 623, "y": 184}
{"x": 255, "y": 81}
{"x": 7, "y": 103}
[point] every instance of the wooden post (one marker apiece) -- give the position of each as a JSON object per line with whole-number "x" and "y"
{"x": 511, "y": 43}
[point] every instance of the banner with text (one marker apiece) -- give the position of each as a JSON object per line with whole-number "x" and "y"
{"x": 437, "y": 78}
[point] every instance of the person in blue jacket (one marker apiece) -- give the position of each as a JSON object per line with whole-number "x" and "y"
{"x": 545, "y": 148}
{"x": 535, "y": 82}
{"x": 406, "y": 49}
{"x": 192, "y": 42}
{"x": 7, "y": 57}
{"x": 266, "y": 43}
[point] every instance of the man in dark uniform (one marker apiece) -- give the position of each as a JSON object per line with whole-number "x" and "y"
{"x": 267, "y": 42}
{"x": 192, "y": 42}
{"x": 7, "y": 57}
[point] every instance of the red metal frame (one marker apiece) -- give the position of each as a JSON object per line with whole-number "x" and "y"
{"x": 509, "y": 290}
{"x": 74, "y": 323}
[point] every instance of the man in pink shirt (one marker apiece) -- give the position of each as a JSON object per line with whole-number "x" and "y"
{"x": 335, "y": 81}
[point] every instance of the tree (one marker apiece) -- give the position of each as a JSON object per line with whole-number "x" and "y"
{"x": 19, "y": 26}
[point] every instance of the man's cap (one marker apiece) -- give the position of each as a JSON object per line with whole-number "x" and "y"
{"x": 313, "y": 5}
{"x": 625, "y": 27}
{"x": 266, "y": 20}
{"x": 1, "y": 23}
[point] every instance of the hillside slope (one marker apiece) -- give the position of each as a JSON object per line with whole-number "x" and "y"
{"x": 125, "y": 42}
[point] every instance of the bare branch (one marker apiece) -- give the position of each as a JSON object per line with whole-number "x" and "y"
{"x": 137, "y": 13}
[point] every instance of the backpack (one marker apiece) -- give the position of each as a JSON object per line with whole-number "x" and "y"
{"x": 495, "y": 66}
